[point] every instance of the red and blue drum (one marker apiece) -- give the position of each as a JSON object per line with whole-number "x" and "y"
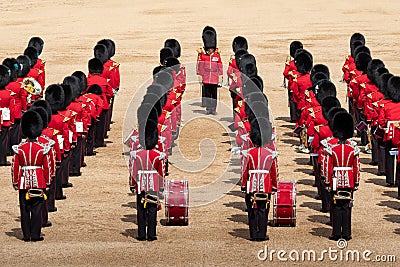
{"x": 285, "y": 204}
{"x": 177, "y": 202}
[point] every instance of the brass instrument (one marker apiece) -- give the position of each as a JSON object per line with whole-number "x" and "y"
{"x": 342, "y": 195}
{"x": 32, "y": 86}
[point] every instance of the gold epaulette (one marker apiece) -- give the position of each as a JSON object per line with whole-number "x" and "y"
{"x": 354, "y": 81}
{"x": 312, "y": 114}
{"x": 316, "y": 128}
{"x": 352, "y": 72}
{"x": 83, "y": 105}
{"x": 73, "y": 113}
{"x": 240, "y": 103}
{"x": 55, "y": 132}
{"x": 375, "y": 104}
{"x": 370, "y": 95}
{"x": 310, "y": 109}
{"x": 346, "y": 67}
{"x": 237, "y": 110}
{"x": 307, "y": 93}
{"x": 347, "y": 57}
{"x": 40, "y": 72}
{"x": 362, "y": 85}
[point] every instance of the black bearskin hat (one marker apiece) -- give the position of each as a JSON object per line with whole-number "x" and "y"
{"x": 4, "y": 76}
{"x": 393, "y": 88}
{"x": 174, "y": 45}
{"x": 158, "y": 69}
{"x": 110, "y": 46}
{"x": 13, "y": 65}
{"x": 82, "y": 80}
{"x": 303, "y": 61}
{"x": 254, "y": 84}
{"x": 74, "y": 84}
{"x": 320, "y": 68}
{"x": 100, "y": 52}
{"x": 173, "y": 63}
{"x": 317, "y": 78}
{"x": 37, "y": 43}
{"x": 95, "y": 89}
{"x": 260, "y": 131}
{"x": 209, "y": 39}
{"x": 357, "y": 37}
{"x": 294, "y": 46}
{"x": 373, "y": 65}
{"x": 164, "y": 78}
{"x": 383, "y": 83}
{"x": 353, "y": 48}
{"x": 95, "y": 66}
{"x": 31, "y": 124}
{"x": 69, "y": 96}
{"x": 331, "y": 114}
{"x": 343, "y": 126}
{"x": 327, "y": 104}
{"x": 165, "y": 53}
{"x": 24, "y": 66}
{"x": 239, "y": 43}
{"x": 361, "y": 49}
{"x": 148, "y": 134}
{"x": 256, "y": 109}
{"x": 43, "y": 114}
{"x": 146, "y": 112}
{"x": 54, "y": 94}
{"x": 46, "y": 106}
{"x": 362, "y": 60}
{"x": 325, "y": 89}
{"x": 248, "y": 66}
{"x": 154, "y": 100}
{"x": 33, "y": 54}
{"x": 239, "y": 54}
{"x": 160, "y": 91}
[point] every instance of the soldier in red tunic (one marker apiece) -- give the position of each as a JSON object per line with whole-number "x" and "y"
{"x": 31, "y": 175}
{"x": 343, "y": 175}
{"x": 94, "y": 77}
{"x": 290, "y": 69}
{"x": 209, "y": 69}
{"x": 56, "y": 97}
{"x": 261, "y": 166}
{"x": 35, "y": 73}
{"x": 38, "y": 43}
{"x": 19, "y": 95}
{"x": 6, "y": 113}
{"x": 146, "y": 162}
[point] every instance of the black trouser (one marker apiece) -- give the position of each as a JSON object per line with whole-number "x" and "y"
{"x": 149, "y": 215}
{"x": 3, "y": 145}
{"x": 31, "y": 215}
{"x": 76, "y": 158}
{"x": 351, "y": 107}
{"x": 210, "y": 91}
{"x": 341, "y": 218}
{"x": 381, "y": 157}
{"x": 203, "y": 96}
{"x": 110, "y": 112}
{"x": 100, "y": 128}
{"x": 90, "y": 138}
{"x": 389, "y": 163}
{"x": 14, "y": 135}
{"x": 375, "y": 148}
{"x": 45, "y": 211}
{"x": 59, "y": 190}
{"x": 65, "y": 163}
{"x": 233, "y": 96}
{"x": 258, "y": 217}
{"x": 314, "y": 161}
{"x": 51, "y": 200}
{"x": 292, "y": 107}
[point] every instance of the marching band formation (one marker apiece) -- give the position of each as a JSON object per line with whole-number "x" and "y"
{"x": 49, "y": 132}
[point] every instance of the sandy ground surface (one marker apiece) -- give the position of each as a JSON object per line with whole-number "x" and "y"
{"x": 96, "y": 225}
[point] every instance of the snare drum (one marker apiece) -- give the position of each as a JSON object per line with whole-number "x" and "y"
{"x": 177, "y": 202}
{"x": 285, "y": 204}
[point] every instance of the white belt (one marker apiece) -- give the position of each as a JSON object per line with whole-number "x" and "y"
{"x": 26, "y": 168}
{"x": 258, "y": 171}
{"x": 342, "y": 168}
{"x": 147, "y": 172}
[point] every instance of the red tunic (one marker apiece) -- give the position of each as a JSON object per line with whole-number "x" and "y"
{"x": 343, "y": 164}
{"x": 261, "y": 164}
{"x": 7, "y": 112}
{"x": 105, "y": 86}
{"x": 20, "y": 95}
{"x": 209, "y": 66}
{"x": 299, "y": 87}
{"x": 389, "y": 112}
{"x": 61, "y": 124}
{"x": 145, "y": 160}
{"x": 30, "y": 166}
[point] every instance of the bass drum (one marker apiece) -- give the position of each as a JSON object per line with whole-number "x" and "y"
{"x": 285, "y": 204}
{"x": 177, "y": 202}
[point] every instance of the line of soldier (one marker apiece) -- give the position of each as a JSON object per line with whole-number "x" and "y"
{"x": 255, "y": 137}
{"x": 373, "y": 95}
{"x": 60, "y": 129}
{"x": 159, "y": 119}
{"x": 325, "y": 130}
